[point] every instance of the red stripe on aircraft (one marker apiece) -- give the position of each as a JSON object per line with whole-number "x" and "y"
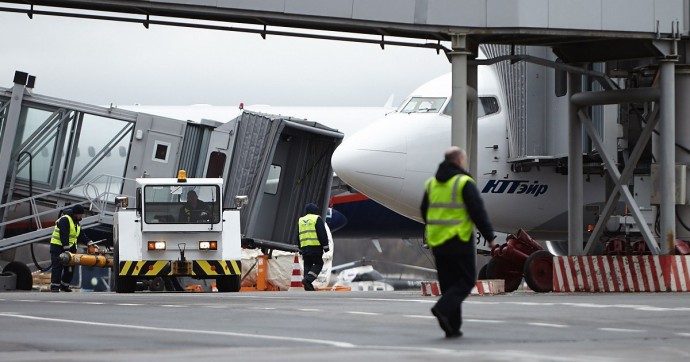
{"x": 348, "y": 198}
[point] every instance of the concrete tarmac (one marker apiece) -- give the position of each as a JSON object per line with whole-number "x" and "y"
{"x": 340, "y": 326}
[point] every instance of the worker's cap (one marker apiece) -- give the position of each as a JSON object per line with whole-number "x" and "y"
{"x": 311, "y": 208}
{"x": 77, "y": 209}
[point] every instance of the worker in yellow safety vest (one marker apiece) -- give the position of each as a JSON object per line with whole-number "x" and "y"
{"x": 451, "y": 207}
{"x": 313, "y": 242}
{"x": 66, "y": 234}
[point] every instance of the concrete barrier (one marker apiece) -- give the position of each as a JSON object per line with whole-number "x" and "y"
{"x": 482, "y": 287}
{"x": 633, "y": 273}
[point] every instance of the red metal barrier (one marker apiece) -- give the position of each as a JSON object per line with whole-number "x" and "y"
{"x": 513, "y": 259}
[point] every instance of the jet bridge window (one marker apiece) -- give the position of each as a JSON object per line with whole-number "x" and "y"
{"x": 273, "y": 180}
{"x": 175, "y": 204}
{"x": 423, "y": 105}
{"x": 487, "y": 106}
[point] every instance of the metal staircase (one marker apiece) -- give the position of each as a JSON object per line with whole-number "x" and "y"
{"x": 97, "y": 196}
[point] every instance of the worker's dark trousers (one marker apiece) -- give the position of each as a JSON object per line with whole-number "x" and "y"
{"x": 59, "y": 275}
{"x": 312, "y": 266}
{"x": 457, "y": 277}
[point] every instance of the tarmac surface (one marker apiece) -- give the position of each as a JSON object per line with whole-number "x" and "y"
{"x": 340, "y": 326}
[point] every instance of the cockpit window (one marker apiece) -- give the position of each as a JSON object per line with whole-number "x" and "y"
{"x": 423, "y": 105}
{"x": 487, "y": 106}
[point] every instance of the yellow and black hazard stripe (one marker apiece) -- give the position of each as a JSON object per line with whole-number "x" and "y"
{"x": 216, "y": 267}
{"x": 200, "y": 268}
{"x": 145, "y": 268}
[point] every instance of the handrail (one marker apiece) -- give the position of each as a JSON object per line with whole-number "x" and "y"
{"x": 98, "y": 200}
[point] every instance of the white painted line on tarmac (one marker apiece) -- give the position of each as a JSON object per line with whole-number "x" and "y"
{"x": 363, "y": 313}
{"x": 62, "y": 302}
{"x": 683, "y": 334}
{"x": 129, "y": 304}
{"x": 309, "y": 310}
{"x": 430, "y": 300}
{"x": 27, "y": 300}
{"x": 262, "y": 308}
{"x": 174, "y": 306}
{"x": 551, "y": 325}
{"x": 93, "y": 303}
{"x": 418, "y": 316}
{"x": 531, "y": 303}
{"x": 623, "y": 330}
{"x": 483, "y": 321}
{"x": 411, "y": 349}
{"x": 186, "y": 331}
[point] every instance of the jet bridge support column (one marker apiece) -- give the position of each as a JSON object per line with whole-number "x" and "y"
{"x": 667, "y": 159}
{"x": 472, "y": 135}
{"x": 21, "y": 80}
{"x": 458, "y": 133}
{"x": 575, "y": 174}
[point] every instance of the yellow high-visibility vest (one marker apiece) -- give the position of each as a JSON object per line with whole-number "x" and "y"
{"x": 74, "y": 231}
{"x": 307, "y": 231}
{"x": 447, "y": 216}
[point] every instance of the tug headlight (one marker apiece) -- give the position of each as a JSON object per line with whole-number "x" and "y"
{"x": 208, "y": 245}
{"x": 156, "y": 245}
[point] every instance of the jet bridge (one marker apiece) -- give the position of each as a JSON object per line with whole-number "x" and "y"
{"x": 280, "y": 163}
{"x": 63, "y": 153}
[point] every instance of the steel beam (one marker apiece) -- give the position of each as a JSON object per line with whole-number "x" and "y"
{"x": 575, "y": 173}
{"x": 613, "y": 198}
{"x": 458, "y": 133}
{"x": 472, "y": 134}
{"x": 621, "y": 186}
{"x": 667, "y": 154}
{"x": 9, "y": 135}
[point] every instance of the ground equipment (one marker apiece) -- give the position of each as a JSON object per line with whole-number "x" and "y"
{"x": 165, "y": 236}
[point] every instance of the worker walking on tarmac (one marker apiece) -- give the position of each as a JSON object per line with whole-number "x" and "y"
{"x": 313, "y": 242}
{"x": 451, "y": 208}
{"x": 66, "y": 234}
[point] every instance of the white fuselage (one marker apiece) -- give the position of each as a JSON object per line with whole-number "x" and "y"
{"x": 390, "y": 160}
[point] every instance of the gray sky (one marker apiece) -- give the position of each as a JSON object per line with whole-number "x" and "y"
{"x": 104, "y": 62}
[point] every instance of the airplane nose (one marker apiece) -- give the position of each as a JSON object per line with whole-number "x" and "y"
{"x": 373, "y": 162}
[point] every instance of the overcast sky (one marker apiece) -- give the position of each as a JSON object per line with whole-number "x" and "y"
{"x": 102, "y": 62}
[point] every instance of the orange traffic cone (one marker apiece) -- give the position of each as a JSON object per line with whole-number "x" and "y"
{"x": 296, "y": 281}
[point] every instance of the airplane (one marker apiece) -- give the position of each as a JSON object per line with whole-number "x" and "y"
{"x": 390, "y": 159}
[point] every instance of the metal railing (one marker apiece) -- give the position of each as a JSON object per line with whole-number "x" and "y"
{"x": 96, "y": 195}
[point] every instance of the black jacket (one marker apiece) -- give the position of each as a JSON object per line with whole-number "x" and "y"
{"x": 323, "y": 239}
{"x": 473, "y": 204}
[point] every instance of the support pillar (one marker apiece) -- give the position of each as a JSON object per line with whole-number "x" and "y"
{"x": 9, "y": 135}
{"x": 575, "y": 176}
{"x": 459, "y": 96}
{"x": 473, "y": 133}
{"x": 667, "y": 157}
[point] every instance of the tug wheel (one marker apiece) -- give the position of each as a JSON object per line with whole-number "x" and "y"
{"x": 24, "y": 279}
